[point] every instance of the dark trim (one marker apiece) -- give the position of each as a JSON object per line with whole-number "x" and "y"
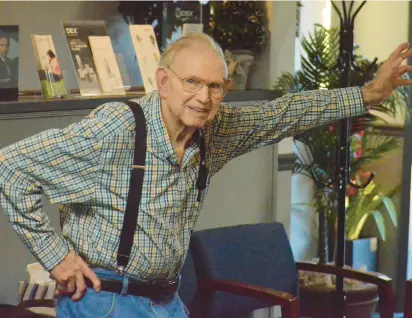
{"x": 286, "y": 161}
{"x": 403, "y": 225}
{"x": 33, "y": 103}
{"x": 388, "y": 130}
{"x": 404, "y": 219}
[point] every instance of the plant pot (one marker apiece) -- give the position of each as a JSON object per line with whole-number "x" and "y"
{"x": 318, "y": 301}
{"x": 243, "y": 60}
{"x": 362, "y": 253}
{"x": 317, "y": 297}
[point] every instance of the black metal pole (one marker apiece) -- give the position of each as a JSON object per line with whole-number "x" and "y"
{"x": 343, "y": 165}
{"x": 345, "y": 64}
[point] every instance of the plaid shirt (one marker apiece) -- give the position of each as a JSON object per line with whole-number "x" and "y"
{"x": 86, "y": 168}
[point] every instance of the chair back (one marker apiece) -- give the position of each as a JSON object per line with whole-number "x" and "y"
{"x": 255, "y": 254}
{"x": 188, "y": 282}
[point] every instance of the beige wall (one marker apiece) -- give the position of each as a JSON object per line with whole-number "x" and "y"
{"x": 390, "y": 30}
{"x": 381, "y": 26}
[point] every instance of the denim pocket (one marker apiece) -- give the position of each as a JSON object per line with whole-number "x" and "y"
{"x": 92, "y": 305}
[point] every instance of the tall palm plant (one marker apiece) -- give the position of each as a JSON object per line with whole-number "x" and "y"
{"x": 316, "y": 149}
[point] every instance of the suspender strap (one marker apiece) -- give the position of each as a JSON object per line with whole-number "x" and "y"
{"x": 203, "y": 171}
{"x": 135, "y": 188}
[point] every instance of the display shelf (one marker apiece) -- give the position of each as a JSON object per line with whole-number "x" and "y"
{"x": 29, "y": 103}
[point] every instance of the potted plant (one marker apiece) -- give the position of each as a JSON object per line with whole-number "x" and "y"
{"x": 240, "y": 27}
{"x": 316, "y": 150}
{"x": 362, "y": 204}
{"x": 368, "y": 203}
{"x": 366, "y": 147}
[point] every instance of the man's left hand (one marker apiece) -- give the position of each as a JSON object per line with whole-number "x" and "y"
{"x": 388, "y": 77}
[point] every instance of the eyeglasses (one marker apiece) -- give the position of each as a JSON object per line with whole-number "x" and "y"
{"x": 194, "y": 84}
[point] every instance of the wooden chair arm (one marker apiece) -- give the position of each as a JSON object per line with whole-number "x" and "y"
{"x": 37, "y": 303}
{"x": 288, "y": 302}
{"x": 384, "y": 283}
{"x": 408, "y": 297}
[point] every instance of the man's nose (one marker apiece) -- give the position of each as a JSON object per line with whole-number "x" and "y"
{"x": 203, "y": 94}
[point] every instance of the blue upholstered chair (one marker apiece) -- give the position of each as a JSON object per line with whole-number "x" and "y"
{"x": 251, "y": 259}
{"x": 197, "y": 295}
{"x": 253, "y": 256}
{"x": 188, "y": 283}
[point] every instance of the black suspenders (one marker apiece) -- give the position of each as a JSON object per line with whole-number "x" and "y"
{"x": 136, "y": 183}
{"x": 135, "y": 188}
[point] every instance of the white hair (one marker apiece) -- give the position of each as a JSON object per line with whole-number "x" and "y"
{"x": 170, "y": 52}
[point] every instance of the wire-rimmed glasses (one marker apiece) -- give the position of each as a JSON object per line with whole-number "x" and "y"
{"x": 193, "y": 84}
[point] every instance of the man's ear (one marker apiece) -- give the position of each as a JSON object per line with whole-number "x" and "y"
{"x": 228, "y": 84}
{"x": 161, "y": 81}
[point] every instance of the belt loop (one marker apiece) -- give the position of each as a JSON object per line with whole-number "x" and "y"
{"x": 125, "y": 285}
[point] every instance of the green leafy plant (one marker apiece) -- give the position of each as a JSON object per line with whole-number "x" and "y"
{"x": 239, "y": 25}
{"x": 316, "y": 148}
{"x": 369, "y": 203}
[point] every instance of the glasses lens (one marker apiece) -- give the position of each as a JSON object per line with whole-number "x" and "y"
{"x": 191, "y": 85}
{"x": 216, "y": 89}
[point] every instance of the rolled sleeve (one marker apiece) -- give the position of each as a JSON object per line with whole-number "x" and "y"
{"x": 351, "y": 102}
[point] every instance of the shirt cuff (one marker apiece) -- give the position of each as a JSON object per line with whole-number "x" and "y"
{"x": 350, "y": 102}
{"x": 53, "y": 251}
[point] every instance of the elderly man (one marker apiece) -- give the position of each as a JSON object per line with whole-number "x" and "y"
{"x": 86, "y": 168}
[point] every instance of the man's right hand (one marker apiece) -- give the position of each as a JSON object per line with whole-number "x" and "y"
{"x": 70, "y": 274}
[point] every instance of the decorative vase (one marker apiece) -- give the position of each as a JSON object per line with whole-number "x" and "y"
{"x": 317, "y": 292}
{"x": 239, "y": 62}
{"x": 361, "y": 301}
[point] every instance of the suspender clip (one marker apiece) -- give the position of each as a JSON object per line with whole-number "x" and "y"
{"x": 120, "y": 269}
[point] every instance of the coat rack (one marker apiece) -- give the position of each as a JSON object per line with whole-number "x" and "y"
{"x": 346, "y": 65}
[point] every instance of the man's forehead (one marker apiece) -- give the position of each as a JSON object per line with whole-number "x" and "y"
{"x": 198, "y": 62}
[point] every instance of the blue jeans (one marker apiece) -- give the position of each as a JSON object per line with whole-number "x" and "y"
{"x": 107, "y": 304}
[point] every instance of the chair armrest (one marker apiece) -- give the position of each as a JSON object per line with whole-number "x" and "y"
{"x": 288, "y": 302}
{"x": 408, "y": 297}
{"x": 384, "y": 283}
{"x": 37, "y": 303}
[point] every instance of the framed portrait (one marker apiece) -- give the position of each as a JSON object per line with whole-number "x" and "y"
{"x": 9, "y": 62}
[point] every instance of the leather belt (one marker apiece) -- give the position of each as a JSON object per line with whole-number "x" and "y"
{"x": 156, "y": 290}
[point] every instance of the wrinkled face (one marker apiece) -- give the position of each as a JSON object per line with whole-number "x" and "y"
{"x": 193, "y": 66}
{"x": 4, "y": 47}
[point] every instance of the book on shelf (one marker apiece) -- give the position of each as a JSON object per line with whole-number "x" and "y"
{"x": 106, "y": 65}
{"x": 147, "y": 53}
{"x": 192, "y": 28}
{"x": 9, "y": 62}
{"x": 77, "y": 34}
{"x": 48, "y": 67}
